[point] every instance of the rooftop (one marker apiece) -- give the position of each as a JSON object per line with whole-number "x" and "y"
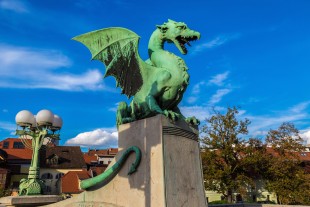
{"x": 71, "y": 180}
{"x": 62, "y": 157}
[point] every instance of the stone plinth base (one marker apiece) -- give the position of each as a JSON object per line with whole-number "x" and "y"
{"x": 169, "y": 174}
{"x": 29, "y": 201}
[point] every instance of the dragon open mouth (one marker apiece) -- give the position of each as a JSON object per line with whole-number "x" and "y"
{"x": 182, "y": 41}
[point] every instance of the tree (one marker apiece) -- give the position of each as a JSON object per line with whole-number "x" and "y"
{"x": 286, "y": 178}
{"x": 228, "y": 159}
{"x": 232, "y": 164}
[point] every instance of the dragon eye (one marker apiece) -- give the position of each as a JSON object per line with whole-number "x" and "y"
{"x": 181, "y": 27}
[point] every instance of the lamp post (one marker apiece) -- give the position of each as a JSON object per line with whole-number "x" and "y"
{"x": 33, "y": 130}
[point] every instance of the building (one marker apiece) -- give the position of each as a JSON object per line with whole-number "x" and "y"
{"x": 55, "y": 162}
{"x": 58, "y": 161}
{"x": 17, "y": 162}
{"x": 71, "y": 182}
{"x": 4, "y": 171}
{"x": 98, "y": 160}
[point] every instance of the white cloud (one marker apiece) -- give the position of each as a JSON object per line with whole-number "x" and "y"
{"x": 7, "y": 126}
{"x": 260, "y": 124}
{"x": 5, "y": 110}
{"x": 216, "y": 42}
{"x": 114, "y": 109}
{"x": 217, "y": 97}
{"x": 305, "y": 134}
{"x": 263, "y": 123}
{"x": 195, "y": 92}
{"x": 102, "y": 138}
{"x": 200, "y": 112}
{"x": 15, "y": 58}
{"x": 13, "y": 5}
{"x": 300, "y": 107}
{"x": 192, "y": 99}
{"x": 37, "y": 68}
{"x": 197, "y": 86}
{"x": 219, "y": 79}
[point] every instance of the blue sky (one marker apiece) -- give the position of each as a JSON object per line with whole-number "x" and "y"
{"x": 252, "y": 53}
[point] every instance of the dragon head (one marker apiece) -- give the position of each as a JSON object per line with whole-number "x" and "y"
{"x": 178, "y": 33}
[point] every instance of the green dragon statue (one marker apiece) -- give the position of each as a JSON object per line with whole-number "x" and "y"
{"x": 158, "y": 84}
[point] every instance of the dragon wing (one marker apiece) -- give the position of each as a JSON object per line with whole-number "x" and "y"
{"x": 117, "y": 48}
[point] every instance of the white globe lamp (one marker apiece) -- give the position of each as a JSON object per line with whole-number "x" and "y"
{"x": 57, "y": 124}
{"x": 45, "y": 117}
{"x": 25, "y": 118}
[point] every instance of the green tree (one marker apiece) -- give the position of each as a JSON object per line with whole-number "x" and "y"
{"x": 227, "y": 158}
{"x": 286, "y": 178}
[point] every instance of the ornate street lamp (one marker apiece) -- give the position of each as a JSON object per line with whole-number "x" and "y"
{"x": 34, "y": 131}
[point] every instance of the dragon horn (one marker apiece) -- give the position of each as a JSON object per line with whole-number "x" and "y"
{"x": 170, "y": 20}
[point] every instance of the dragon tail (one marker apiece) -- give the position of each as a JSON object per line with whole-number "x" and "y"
{"x": 110, "y": 173}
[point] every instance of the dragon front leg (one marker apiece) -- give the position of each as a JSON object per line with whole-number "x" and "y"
{"x": 154, "y": 107}
{"x": 190, "y": 120}
{"x": 123, "y": 114}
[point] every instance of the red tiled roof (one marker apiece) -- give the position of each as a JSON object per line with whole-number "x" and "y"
{"x": 82, "y": 175}
{"x": 19, "y": 154}
{"x": 113, "y": 151}
{"x": 303, "y": 156}
{"x": 103, "y": 152}
{"x": 16, "y": 153}
{"x": 70, "y": 181}
{"x": 98, "y": 170}
{"x": 68, "y": 157}
{"x": 11, "y": 142}
{"x": 89, "y": 158}
{"x": 96, "y": 152}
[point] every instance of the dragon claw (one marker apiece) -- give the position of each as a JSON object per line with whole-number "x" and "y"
{"x": 171, "y": 115}
{"x": 192, "y": 121}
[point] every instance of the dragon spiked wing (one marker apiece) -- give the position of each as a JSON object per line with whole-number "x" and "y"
{"x": 117, "y": 48}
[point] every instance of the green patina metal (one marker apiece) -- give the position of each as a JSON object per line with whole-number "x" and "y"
{"x": 157, "y": 84}
{"x": 107, "y": 175}
{"x": 33, "y": 185}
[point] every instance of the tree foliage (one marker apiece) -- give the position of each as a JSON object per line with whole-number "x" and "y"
{"x": 232, "y": 164}
{"x": 286, "y": 177}
{"x": 224, "y": 163}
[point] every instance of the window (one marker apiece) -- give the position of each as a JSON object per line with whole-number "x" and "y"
{"x": 18, "y": 145}
{"x": 47, "y": 189}
{"x": 47, "y": 176}
{"x": 54, "y": 160}
{"x": 59, "y": 175}
{"x": 5, "y": 145}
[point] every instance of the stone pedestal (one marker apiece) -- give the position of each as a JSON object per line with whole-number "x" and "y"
{"x": 169, "y": 174}
{"x": 29, "y": 201}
